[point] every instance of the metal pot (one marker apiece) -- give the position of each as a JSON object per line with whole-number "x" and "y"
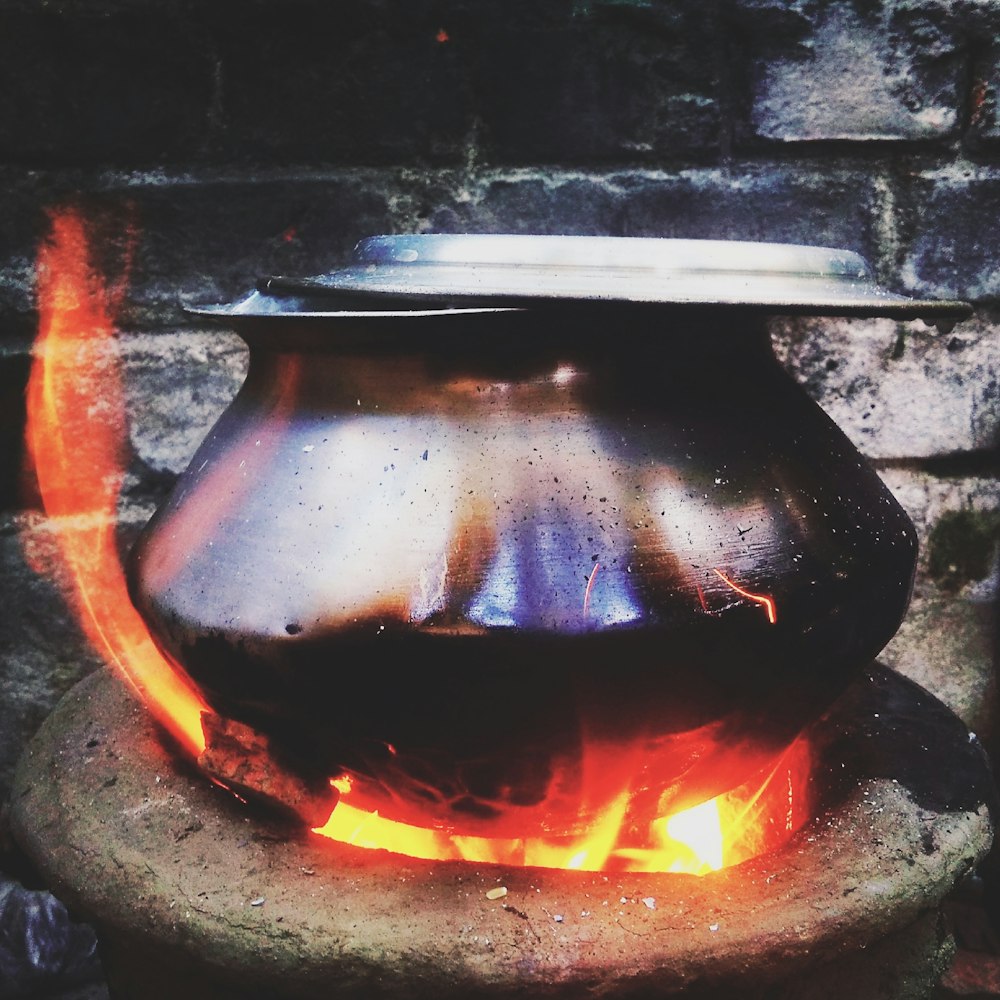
{"x": 486, "y": 503}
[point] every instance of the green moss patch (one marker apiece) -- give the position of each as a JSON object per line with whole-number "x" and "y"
{"x": 961, "y": 547}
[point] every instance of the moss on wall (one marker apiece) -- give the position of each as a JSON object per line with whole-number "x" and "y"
{"x": 962, "y": 547}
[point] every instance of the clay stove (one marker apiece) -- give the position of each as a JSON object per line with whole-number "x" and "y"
{"x": 195, "y": 896}
{"x": 176, "y": 875}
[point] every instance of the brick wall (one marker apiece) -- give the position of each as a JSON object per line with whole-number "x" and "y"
{"x": 238, "y": 138}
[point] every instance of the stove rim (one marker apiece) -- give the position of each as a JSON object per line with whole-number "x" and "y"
{"x": 686, "y": 906}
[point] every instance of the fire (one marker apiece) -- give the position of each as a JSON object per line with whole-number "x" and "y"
{"x": 762, "y": 599}
{"x": 755, "y": 817}
{"x": 79, "y": 474}
{"x": 77, "y": 442}
{"x": 700, "y": 829}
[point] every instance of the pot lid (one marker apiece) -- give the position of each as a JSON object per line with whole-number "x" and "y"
{"x": 414, "y": 271}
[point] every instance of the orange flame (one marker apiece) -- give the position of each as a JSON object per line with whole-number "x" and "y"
{"x": 79, "y": 474}
{"x": 76, "y": 436}
{"x": 749, "y": 820}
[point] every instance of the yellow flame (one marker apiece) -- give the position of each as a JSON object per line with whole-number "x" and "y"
{"x": 700, "y": 830}
{"x": 704, "y": 838}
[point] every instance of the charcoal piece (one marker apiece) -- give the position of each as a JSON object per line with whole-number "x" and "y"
{"x": 241, "y": 759}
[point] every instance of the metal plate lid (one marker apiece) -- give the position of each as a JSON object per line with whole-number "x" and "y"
{"x": 512, "y": 270}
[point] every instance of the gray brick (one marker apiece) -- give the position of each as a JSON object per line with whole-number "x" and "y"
{"x": 828, "y": 206}
{"x": 190, "y": 236}
{"x": 849, "y": 70}
{"x": 365, "y": 82}
{"x": 531, "y": 201}
{"x": 950, "y": 244}
{"x": 980, "y": 20}
{"x": 900, "y": 390}
{"x": 946, "y": 644}
{"x": 177, "y": 384}
{"x": 205, "y": 236}
{"x": 173, "y": 386}
{"x": 929, "y": 498}
{"x": 586, "y": 81}
{"x": 948, "y": 640}
{"x": 208, "y": 239}
{"x": 773, "y": 203}
{"x": 22, "y": 225}
{"x": 85, "y": 86}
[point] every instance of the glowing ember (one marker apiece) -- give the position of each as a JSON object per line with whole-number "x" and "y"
{"x": 700, "y": 829}
{"x": 76, "y": 437}
{"x": 745, "y": 822}
{"x": 762, "y": 599}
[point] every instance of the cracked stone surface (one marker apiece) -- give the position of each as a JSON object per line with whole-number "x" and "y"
{"x": 899, "y": 390}
{"x": 861, "y": 71}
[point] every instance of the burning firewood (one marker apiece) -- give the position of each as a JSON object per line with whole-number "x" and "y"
{"x": 240, "y": 758}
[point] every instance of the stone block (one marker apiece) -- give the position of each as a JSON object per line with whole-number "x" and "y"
{"x": 826, "y": 206}
{"x": 583, "y": 81}
{"x": 980, "y": 21}
{"x": 159, "y": 394}
{"x": 44, "y": 649}
{"x": 175, "y": 238}
{"x": 949, "y": 640}
{"x": 22, "y": 225}
{"x": 368, "y": 82}
{"x": 176, "y": 386}
{"x": 949, "y": 241}
{"x": 775, "y": 203}
{"x": 892, "y": 70}
{"x": 85, "y": 87}
{"x": 931, "y": 499}
{"x": 529, "y": 201}
{"x": 900, "y": 390}
{"x": 208, "y": 238}
{"x": 948, "y": 646}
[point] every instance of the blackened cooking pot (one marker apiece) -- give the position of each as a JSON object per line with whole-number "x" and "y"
{"x": 486, "y": 503}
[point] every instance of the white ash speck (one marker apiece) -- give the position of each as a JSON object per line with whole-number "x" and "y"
{"x": 557, "y": 917}
{"x": 650, "y": 902}
{"x": 713, "y": 927}
{"x": 497, "y": 893}
{"x": 259, "y": 901}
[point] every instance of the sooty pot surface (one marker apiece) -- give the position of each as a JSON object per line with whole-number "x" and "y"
{"x": 447, "y": 550}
